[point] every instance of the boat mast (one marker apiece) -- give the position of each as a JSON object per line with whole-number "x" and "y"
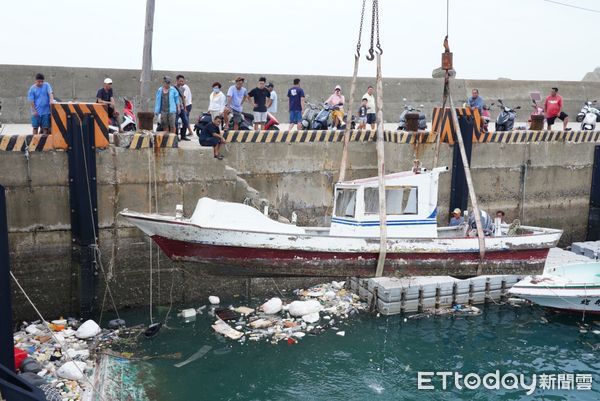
{"x": 350, "y": 103}
{"x": 447, "y": 66}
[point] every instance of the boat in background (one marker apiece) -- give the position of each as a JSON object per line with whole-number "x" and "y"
{"x": 237, "y": 239}
{"x": 570, "y": 287}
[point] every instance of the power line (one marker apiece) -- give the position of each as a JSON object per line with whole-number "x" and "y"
{"x": 572, "y": 6}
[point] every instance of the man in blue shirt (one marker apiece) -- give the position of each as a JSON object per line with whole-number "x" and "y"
{"x": 167, "y": 104}
{"x": 296, "y": 96}
{"x": 236, "y": 95}
{"x": 475, "y": 101}
{"x": 40, "y": 96}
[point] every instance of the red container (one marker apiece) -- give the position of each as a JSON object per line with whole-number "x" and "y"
{"x": 20, "y": 356}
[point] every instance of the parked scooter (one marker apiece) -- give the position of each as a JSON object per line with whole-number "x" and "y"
{"x": 247, "y": 123}
{"x": 506, "y": 119}
{"x": 588, "y": 116}
{"x": 409, "y": 109}
{"x": 129, "y": 120}
{"x": 321, "y": 121}
{"x": 310, "y": 113}
{"x": 272, "y": 122}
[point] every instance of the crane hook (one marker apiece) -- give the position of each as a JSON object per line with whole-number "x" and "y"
{"x": 371, "y": 55}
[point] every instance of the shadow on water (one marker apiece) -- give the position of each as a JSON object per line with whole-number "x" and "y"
{"x": 378, "y": 358}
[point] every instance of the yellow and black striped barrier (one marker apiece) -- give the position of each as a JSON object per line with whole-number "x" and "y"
{"x": 19, "y": 143}
{"x": 59, "y": 113}
{"x": 147, "y": 139}
{"x": 443, "y": 123}
{"x": 539, "y": 136}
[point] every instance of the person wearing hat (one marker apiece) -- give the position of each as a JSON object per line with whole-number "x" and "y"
{"x": 457, "y": 218}
{"x": 273, "y": 107}
{"x": 236, "y": 95}
{"x": 167, "y": 104}
{"x": 105, "y": 96}
{"x": 337, "y": 100}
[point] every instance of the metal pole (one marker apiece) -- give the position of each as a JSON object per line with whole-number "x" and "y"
{"x": 381, "y": 174}
{"x": 348, "y": 122}
{"x": 7, "y": 357}
{"x": 472, "y": 195}
{"x": 443, "y": 111}
{"x": 146, "y": 77}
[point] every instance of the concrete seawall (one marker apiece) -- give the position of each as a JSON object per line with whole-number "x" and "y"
{"x": 81, "y": 84}
{"x": 540, "y": 183}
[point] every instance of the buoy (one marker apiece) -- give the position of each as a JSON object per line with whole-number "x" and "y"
{"x": 152, "y": 330}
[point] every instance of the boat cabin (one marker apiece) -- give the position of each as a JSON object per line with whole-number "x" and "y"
{"x": 411, "y": 203}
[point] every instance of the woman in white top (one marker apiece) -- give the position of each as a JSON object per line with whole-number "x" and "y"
{"x": 217, "y": 102}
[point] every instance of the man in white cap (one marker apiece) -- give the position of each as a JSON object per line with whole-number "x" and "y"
{"x": 457, "y": 218}
{"x": 105, "y": 96}
{"x": 337, "y": 100}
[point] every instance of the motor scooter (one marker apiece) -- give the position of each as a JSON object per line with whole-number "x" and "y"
{"x": 506, "y": 119}
{"x": 129, "y": 120}
{"x": 410, "y": 109}
{"x": 590, "y": 115}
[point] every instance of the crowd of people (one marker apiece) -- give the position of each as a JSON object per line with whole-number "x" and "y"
{"x": 173, "y": 106}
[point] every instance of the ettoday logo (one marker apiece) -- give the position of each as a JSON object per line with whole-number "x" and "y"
{"x": 508, "y": 381}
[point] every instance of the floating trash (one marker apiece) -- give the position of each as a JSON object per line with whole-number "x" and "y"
{"x": 291, "y": 320}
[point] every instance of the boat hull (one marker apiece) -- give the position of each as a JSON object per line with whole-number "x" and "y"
{"x": 564, "y": 298}
{"x": 248, "y": 261}
{"x": 255, "y": 253}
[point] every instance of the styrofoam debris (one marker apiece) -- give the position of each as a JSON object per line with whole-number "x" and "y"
{"x": 188, "y": 313}
{"x": 341, "y": 333}
{"x": 272, "y": 306}
{"x": 214, "y": 300}
{"x": 311, "y": 317}
{"x": 301, "y": 308}
{"x": 72, "y": 370}
{"x": 88, "y": 329}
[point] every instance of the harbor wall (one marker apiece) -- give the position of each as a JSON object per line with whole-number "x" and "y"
{"x": 81, "y": 84}
{"x": 543, "y": 183}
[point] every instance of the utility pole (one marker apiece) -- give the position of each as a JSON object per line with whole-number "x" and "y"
{"x": 147, "y": 57}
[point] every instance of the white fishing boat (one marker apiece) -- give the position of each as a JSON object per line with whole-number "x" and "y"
{"x": 236, "y": 239}
{"x": 571, "y": 287}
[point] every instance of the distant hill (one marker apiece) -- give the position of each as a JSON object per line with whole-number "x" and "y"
{"x": 593, "y": 76}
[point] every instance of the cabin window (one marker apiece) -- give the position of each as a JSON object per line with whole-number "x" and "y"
{"x": 399, "y": 200}
{"x": 345, "y": 202}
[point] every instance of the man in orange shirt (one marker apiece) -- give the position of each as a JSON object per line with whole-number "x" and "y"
{"x": 553, "y": 108}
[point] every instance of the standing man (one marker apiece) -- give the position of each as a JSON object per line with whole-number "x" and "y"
{"x": 371, "y": 111}
{"x": 262, "y": 100}
{"x": 296, "y": 100}
{"x": 105, "y": 96}
{"x": 273, "y": 107}
{"x": 185, "y": 96}
{"x": 40, "y": 96}
{"x": 236, "y": 95}
{"x": 553, "y": 108}
{"x": 167, "y": 104}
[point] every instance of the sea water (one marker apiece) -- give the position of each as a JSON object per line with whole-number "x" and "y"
{"x": 380, "y": 358}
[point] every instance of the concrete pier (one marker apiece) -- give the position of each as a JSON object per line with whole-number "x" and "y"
{"x": 542, "y": 183}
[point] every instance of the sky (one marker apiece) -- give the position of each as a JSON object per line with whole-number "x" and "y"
{"x": 516, "y": 39}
